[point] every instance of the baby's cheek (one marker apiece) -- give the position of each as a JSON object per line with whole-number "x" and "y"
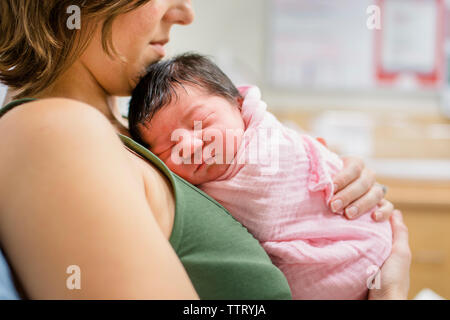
{"x": 175, "y": 169}
{"x": 181, "y": 170}
{"x": 171, "y": 165}
{"x": 231, "y": 146}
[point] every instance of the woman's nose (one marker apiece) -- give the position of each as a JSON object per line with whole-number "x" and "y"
{"x": 182, "y": 12}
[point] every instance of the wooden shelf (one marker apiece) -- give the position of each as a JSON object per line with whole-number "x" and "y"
{"x": 418, "y": 194}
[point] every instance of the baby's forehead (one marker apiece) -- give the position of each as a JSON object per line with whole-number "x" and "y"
{"x": 186, "y": 102}
{"x": 186, "y": 99}
{"x": 168, "y": 118}
{"x": 171, "y": 111}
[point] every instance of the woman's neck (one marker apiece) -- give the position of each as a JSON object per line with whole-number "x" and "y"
{"x": 79, "y": 84}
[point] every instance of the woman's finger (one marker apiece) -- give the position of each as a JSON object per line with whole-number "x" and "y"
{"x": 400, "y": 238}
{"x": 365, "y": 203}
{"x": 352, "y": 170}
{"x": 384, "y": 211}
{"x": 356, "y": 191}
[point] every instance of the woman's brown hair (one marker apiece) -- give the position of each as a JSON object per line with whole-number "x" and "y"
{"x": 36, "y": 46}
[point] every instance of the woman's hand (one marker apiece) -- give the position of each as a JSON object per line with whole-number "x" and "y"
{"x": 394, "y": 277}
{"x": 356, "y": 192}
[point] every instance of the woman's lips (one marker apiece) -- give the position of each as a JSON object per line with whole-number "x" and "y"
{"x": 159, "y": 48}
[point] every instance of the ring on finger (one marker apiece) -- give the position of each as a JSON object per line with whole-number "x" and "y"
{"x": 383, "y": 187}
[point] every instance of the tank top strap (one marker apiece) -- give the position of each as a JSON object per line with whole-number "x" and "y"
{"x": 14, "y": 104}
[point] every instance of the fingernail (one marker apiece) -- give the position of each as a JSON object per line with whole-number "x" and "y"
{"x": 351, "y": 212}
{"x": 378, "y": 216}
{"x": 336, "y": 205}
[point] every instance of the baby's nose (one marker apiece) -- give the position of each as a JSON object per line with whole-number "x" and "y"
{"x": 197, "y": 144}
{"x": 192, "y": 146}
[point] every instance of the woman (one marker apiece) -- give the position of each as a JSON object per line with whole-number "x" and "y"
{"x": 71, "y": 194}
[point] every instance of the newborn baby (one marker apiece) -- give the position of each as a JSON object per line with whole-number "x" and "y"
{"x": 274, "y": 180}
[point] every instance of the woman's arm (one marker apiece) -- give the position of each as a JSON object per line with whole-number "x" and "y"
{"x": 394, "y": 277}
{"x": 70, "y": 196}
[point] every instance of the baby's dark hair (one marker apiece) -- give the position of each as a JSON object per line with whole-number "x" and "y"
{"x": 156, "y": 88}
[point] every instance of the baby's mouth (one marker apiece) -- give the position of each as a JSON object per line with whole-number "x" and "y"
{"x": 207, "y": 162}
{"x": 199, "y": 167}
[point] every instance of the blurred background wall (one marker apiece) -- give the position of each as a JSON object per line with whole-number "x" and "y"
{"x": 335, "y": 51}
{"x": 2, "y": 93}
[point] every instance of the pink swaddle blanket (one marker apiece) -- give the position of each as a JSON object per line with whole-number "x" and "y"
{"x": 279, "y": 187}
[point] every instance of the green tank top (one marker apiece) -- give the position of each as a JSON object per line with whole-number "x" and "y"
{"x": 222, "y": 259}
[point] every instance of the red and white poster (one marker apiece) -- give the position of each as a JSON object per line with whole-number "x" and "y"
{"x": 410, "y": 43}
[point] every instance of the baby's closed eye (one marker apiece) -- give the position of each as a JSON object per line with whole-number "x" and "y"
{"x": 201, "y": 118}
{"x": 209, "y": 117}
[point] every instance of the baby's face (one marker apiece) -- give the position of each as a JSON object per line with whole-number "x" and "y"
{"x": 196, "y": 135}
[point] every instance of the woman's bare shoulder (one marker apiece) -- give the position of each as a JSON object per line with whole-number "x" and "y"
{"x": 53, "y": 132}
{"x": 52, "y": 114}
{"x": 62, "y": 123}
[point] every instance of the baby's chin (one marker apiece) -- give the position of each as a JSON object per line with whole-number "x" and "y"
{"x": 207, "y": 173}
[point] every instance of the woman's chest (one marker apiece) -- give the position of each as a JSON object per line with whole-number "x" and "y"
{"x": 159, "y": 194}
